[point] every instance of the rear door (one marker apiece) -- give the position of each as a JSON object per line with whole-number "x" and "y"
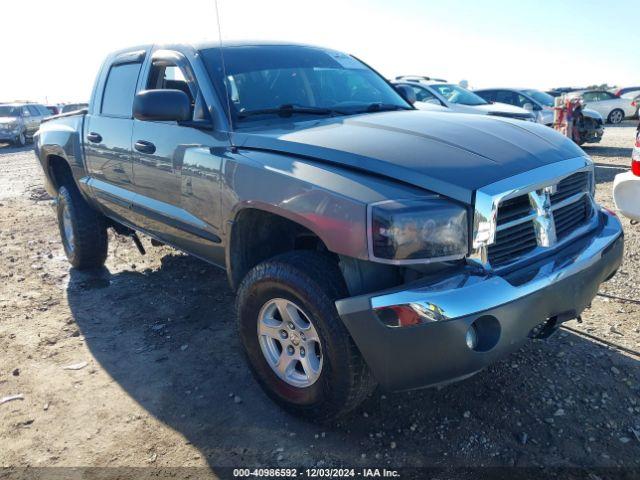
{"x": 593, "y": 101}
{"x": 107, "y": 136}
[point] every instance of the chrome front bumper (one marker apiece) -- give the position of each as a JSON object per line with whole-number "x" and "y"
{"x": 558, "y": 286}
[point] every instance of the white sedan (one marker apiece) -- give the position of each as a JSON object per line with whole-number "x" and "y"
{"x": 613, "y": 109}
{"x": 448, "y": 97}
{"x": 626, "y": 186}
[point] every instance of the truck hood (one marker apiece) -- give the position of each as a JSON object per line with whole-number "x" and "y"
{"x": 449, "y": 154}
{"x": 5, "y": 120}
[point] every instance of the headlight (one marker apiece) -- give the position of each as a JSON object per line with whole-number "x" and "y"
{"x": 417, "y": 231}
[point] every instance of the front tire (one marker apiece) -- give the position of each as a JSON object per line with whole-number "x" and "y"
{"x": 616, "y": 116}
{"x": 20, "y": 140}
{"x": 301, "y": 355}
{"x": 82, "y": 229}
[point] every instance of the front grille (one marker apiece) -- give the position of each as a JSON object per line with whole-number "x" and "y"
{"x": 572, "y": 185}
{"x": 516, "y": 232}
{"x": 513, "y": 243}
{"x": 571, "y": 216}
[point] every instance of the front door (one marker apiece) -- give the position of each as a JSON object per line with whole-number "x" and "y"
{"x": 169, "y": 206}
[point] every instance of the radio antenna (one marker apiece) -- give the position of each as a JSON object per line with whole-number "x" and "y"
{"x": 224, "y": 73}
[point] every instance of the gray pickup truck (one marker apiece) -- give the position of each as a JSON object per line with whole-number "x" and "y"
{"x": 369, "y": 243}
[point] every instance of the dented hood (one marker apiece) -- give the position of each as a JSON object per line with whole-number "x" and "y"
{"x": 450, "y": 154}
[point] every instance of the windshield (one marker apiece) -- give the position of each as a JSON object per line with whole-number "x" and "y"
{"x": 263, "y": 78}
{"x": 457, "y": 94}
{"x": 7, "y": 111}
{"x": 541, "y": 97}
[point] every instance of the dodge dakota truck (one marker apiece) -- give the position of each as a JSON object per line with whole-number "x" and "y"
{"x": 369, "y": 243}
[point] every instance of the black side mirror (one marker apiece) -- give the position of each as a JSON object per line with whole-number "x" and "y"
{"x": 162, "y": 105}
{"x": 407, "y": 93}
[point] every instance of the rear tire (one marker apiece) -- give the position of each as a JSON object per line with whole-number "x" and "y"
{"x": 616, "y": 116}
{"x": 308, "y": 282}
{"x": 82, "y": 229}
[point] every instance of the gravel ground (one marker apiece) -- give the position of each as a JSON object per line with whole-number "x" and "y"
{"x": 139, "y": 365}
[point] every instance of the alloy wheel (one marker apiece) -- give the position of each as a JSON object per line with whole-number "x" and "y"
{"x": 67, "y": 228}
{"x": 290, "y": 343}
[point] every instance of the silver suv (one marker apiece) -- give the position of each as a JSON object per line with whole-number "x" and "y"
{"x": 20, "y": 121}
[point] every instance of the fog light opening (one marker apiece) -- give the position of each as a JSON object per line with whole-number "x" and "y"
{"x": 483, "y": 334}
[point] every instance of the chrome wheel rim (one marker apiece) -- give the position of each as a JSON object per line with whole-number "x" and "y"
{"x": 290, "y": 343}
{"x": 67, "y": 229}
{"x": 616, "y": 116}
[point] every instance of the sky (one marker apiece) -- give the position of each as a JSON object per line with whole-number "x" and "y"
{"x": 52, "y": 49}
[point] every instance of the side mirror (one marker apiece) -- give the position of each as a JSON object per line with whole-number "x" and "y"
{"x": 528, "y": 107}
{"x": 407, "y": 93}
{"x": 162, "y": 105}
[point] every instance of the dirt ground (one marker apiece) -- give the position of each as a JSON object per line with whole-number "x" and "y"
{"x": 165, "y": 384}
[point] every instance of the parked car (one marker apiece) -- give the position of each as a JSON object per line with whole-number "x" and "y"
{"x": 633, "y": 94}
{"x": 626, "y": 186}
{"x": 53, "y": 109}
{"x": 614, "y": 109}
{"x": 591, "y": 125}
{"x": 369, "y": 242}
{"x": 436, "y": 95}
{"x": 72, "y": 107}
{"x": 556, "y": 92}
{"x": 20, "y": 121}
{"x": 624, "y": 92}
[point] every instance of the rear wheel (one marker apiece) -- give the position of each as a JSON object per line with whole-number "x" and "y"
{"x": 82, "y": 229}
{"x": 296, "y": 344}
{"x": 616, "y": 116}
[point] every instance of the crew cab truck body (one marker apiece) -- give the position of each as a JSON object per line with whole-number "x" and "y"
{"x": 369, "y": 242}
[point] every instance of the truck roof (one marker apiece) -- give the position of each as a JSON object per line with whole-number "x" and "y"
{"x": 216, "y": 44}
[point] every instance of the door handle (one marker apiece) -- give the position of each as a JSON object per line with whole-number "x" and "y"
{"x": 94, "y": 137}
{"x": 144, "y": 147}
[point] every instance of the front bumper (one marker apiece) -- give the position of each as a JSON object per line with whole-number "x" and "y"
{"x": 561, "y": 286}
{"x": 626, "y": 195}
{"x": 8, "y": 136}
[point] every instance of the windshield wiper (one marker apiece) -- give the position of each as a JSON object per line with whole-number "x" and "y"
{"x": 288, "y": 110}
{"x": 383, "y": 107}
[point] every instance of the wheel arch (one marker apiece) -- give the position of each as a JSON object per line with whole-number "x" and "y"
{"x": 261, "y": 231}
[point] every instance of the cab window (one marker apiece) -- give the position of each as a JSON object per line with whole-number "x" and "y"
{"x": 117, "y": 100}
{"x": 33, "y": 111}
{"x": 173, "y": 77}
{"x": 424, "y": 95}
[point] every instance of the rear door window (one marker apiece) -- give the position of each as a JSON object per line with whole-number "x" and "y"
{"x": 117, "y": 100}
{"x": 33, "y": 111}
{"x": 488, "y": 95}
{"x": 506, "y": 96}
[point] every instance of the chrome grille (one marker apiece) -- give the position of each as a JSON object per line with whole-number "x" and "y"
{"x": 571, "y": 216}
{"x": 540, "y": 218}
{"x": 576, "y": 183}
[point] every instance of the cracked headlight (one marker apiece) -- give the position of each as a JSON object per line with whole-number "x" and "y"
{"x": 417, "y": 231}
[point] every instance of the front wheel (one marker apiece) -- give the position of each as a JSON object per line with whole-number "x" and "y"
{"x": 82, "y": 229}
{"x": 20, "y": 140}
{"x": 296, "y": 344}
{"x": 616, "y": 116}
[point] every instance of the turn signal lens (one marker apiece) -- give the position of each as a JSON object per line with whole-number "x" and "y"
{"x": 635, "y": 157}
{"x": 410, "y": 314}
